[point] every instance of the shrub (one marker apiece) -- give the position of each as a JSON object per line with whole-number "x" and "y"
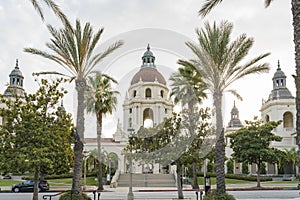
{"x": 216, "y": 195}
{"x": 67, "y": 195}
{"x": 245, "y": 169}
{"x": 229, "y": 166}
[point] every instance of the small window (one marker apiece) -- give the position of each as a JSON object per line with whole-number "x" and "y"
{"x": 148, "y": 93}
{"x": 162, "y": 93}
{"x": 166, "y": 111}
{"x": 130, "y": 122}
{"x": 130, "y": 110}
{"x": 288, "y": 120}
{"x": 267, "y": 118}
{"x": 134, "y": 93}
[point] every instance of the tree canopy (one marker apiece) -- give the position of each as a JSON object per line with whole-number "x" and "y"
{"x": 252, "y": 143}
{"x": 37, "y": 133}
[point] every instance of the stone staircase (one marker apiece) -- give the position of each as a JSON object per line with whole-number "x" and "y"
{"x": 147, "y": 180}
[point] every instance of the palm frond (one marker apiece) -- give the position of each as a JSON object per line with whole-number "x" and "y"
{"x": 236, "y": 94}
{"x": 268, "y": 2}
{"x": 51, "y": 73}
{"x": 38, "y": 8}
{"x": 98, "y": 57}
{"x": 208, "y": 6}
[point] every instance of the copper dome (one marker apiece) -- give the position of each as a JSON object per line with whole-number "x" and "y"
{"x": 148, "y": 74}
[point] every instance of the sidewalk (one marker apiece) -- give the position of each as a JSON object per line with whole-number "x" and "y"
{"x": 229, "y": 187}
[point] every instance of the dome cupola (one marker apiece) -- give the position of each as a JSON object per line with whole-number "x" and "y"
{"x": 235, "y": 119}
{"x": 148, "y": 58}
{"x": 280, "y": 91}
{"x": 15, "y": 82}
{"x": 148, "y": 71}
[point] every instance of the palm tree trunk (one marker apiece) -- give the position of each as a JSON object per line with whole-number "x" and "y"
{"x": 296, "y": 24}
{"x": 220, "y": 144}
{"x": 99, "y": 135}
{"x": 179, "y": 182}
{"x": 192, "y": 129}
{"x": 79, "y": 136}
{"x": 258, "y": 175}
{"x": 35, "y": 187}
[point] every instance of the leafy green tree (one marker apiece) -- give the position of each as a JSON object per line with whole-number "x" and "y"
{"x": 73, "y": 49}
{"x": 218, "y": 61}
{"x": 245, "y": 168}
{"x": 188, "y": 92}
{"x": 163, "y": 143}
{"x": 37, "y": 133}
{"x": 252, "y": 144}
{"x": 230, "y": 166}
{"x": 100, "y": 99}
{"x": 210, "y": 4}
{"x": 200, "y": 144}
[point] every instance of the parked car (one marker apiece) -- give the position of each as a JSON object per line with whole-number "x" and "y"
{"x": 27, "y": 186}
{"x": 7, "y": 176}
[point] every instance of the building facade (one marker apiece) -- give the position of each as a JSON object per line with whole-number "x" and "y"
{"x": 146, "y": 104}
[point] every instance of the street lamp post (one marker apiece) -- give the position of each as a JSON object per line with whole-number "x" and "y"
{"x": 85, "y": 156}
{"x": 130, "y": 195}
{"x": 84, "y": 173}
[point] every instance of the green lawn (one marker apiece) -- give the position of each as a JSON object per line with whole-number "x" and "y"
{"x": 5, "y": 182}
{"x": 68, "y": 181}
{"x": 227, "y": 181}
{"x": 281, "y": 182}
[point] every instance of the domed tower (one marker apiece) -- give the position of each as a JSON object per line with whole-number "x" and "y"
{"x": 280, "y": 106}
{"x": 235, "y": 121}
{"x": 280, "y": 91}
{"x": 15, "y": 87}
{"x": 147, "y": 101}
{"x": 233, "y": 125}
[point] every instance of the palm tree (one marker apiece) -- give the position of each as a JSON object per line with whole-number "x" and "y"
{"x": 291, "y": 158}
{"x": 73, "y": 49}
{"x": 217, "y": 60}
{"x": 210, "y": 4}
{"x": 190, "y": 91}
{"x": 100, "y": 99}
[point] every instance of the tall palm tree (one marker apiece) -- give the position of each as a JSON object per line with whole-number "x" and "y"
{"x": 73, "y": 49}
{"x": 100, "y": 99}
{"x": 210, "y": 4}
{"x": 218, "y": 61}
{"x": 190, "y": 91}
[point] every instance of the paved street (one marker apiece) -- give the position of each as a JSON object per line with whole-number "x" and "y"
{"x": 122, "y": 194}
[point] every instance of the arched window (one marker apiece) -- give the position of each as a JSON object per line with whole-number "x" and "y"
{"x": 134, "y": 93}
{"x": 267, "y": 118}
{"x": 287, "y": 120}
{"x": 162, "y": 93}
{"x": 148, "y": 118}
{"x": 148, "y": 93}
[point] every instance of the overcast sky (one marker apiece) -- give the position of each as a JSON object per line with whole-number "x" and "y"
{"x": 166, "y": 25}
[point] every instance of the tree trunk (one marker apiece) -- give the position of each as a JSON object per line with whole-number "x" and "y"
{"x": 196, "y": 185}
{"x": 258, "y": 175}
{"x": 99, "y": 134}
{"x": 35, "y": 187}
{"x": 79, "y": 136}
{"x": 179, "y": 182}
{"x": 192, "y": 128}
{"x": 220, "y": 144}
{"x": 296, "y": 25}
